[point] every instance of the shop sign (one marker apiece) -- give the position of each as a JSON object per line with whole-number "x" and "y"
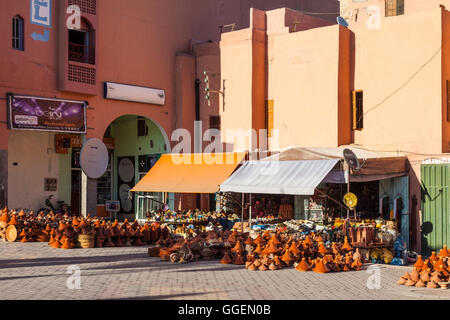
{"x": 41, "y": 15}
{"x": 43, "y": 114}
{"x": 63, "y": 142}
{"x": 436, "y": 161}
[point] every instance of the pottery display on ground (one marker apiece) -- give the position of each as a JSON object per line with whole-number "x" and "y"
{"x": 430, "y": 273}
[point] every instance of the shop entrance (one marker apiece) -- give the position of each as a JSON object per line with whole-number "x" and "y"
{"x": 137, "y": 144}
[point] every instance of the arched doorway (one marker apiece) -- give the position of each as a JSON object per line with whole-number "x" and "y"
{"x": 135, "y": 143}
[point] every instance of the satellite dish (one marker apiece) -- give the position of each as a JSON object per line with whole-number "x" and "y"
{"x": 341, "y": 21}
{"x": 351, "y": 159}
{"x": 94, "y": 158}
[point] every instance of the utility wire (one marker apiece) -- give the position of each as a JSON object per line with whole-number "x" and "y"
{"x": 402, "y": 86}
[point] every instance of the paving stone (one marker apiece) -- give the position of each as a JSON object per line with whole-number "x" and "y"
{"x": 37, "y": 271}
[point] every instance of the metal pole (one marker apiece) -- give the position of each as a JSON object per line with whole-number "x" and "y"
{"x": 242, "y": 213}
{"x": 250, "y": 212}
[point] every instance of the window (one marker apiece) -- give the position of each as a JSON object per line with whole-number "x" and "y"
{"x": 18, "y": 33}
{"x": 395, "y": 7}
{"x": 82, "y": 44}
{"x": 358, "y": 113}
{"x": 269, "y": 118}
{"x": 214, "y": 122}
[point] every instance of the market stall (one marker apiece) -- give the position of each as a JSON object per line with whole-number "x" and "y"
{"x": 318, "y": 179}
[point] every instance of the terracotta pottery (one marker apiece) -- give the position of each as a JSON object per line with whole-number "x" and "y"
{"x": 442, "y": 272}
{"x": 414, "y": 275}
{"x": 425, "y": 275}
{"x": 335, "y": 248}
{"x": 307, "y": 241}
{"x": 249, "y": 241}
{"x": 444, "y": 253}
{"x": 226, "y": 259}
{"x": 252, "y": 268}
{"x": 265, "y": 261}
{"x": 238, "y": 248}
{"x": 410, "y": 283}
{"x": 401, "y": 281}
{"x": 346, "y": 246}
{"x": 257, "y": 263}
{"x": 286, "y": 258}
{"x": 406, "y": 276}
{"x": 258, "y": 249}
{"x": 239, "y": 260}
{"x": 420, "y": 284}
{"x": 293, "y": 249}
{"x": 357, "y": 255}
{"x": 433, "y": 257}
{"x": 320, "y": 267}
{"x": 322, "y": 250}
{"x": 55, "y": 244}
{"x": 272, "y": 267}
{"x": 13, "y": 221}
{"x": 271, "y": 249}
{"x": 277, "y": 262}
{"x": 419, "y": 263}
{"x": 356, "y": 265}
{"x": 303, "y": 266}
{"x": 248, "y": 264}
{"x": 274, "y": 240}
{"x": 259, "y": 240}
{"x": 319, "y": 238}
{"x": 62, "y": 226}
{"x": 432, "y": 285}
{"x": 444, "y": 285}
{"x": 436, "y": 278}
{"x": 66, "y": 244}
{"x": 262, "y": 267}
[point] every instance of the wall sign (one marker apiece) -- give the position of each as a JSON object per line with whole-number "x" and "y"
{"x": 41, "y": 15}
{"x": 50, "y": 184}
{"x": 43, "y": 114}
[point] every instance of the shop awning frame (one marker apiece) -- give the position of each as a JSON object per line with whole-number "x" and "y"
{"x": 279, "y": 177}
{"x": 189, "y": 173}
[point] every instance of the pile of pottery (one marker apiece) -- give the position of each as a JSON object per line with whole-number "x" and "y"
{"x": 277, "y": 251}
{"x": 431, "y": 273}
{"x": 203, "y": 246}
{"x": 62, "y": 231}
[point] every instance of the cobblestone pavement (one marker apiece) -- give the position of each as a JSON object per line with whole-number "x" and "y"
{"x": 37, "y": 271}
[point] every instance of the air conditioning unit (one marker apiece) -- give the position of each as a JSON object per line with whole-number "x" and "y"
{"x": 117, "y": 91}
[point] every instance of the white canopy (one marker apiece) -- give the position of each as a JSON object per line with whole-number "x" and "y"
{"x": 279, "y": 177}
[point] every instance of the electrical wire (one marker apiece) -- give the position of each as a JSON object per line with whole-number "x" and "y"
{"x": 402, "y": 86}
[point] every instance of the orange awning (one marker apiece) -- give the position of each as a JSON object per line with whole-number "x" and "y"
{"x": 189, "y": 173}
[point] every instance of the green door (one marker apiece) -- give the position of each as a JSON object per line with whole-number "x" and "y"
{"x": 435, "y": 207}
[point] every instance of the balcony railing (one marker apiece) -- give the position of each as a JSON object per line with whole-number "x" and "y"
{"x": 80, "y": 53}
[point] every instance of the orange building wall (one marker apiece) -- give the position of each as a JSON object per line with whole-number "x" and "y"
{"x": 445, "y": 54}
{"x": 303, "y": 83}
{"x": 400, "y": 103}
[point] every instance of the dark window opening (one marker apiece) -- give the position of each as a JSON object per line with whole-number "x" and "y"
{"x": 358, "y": 112}
{"x": 394, "y": 7}
{"x": 214, "y": 122}
{"x": 82, "y": 46}
{"x": 18, "y": 33}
